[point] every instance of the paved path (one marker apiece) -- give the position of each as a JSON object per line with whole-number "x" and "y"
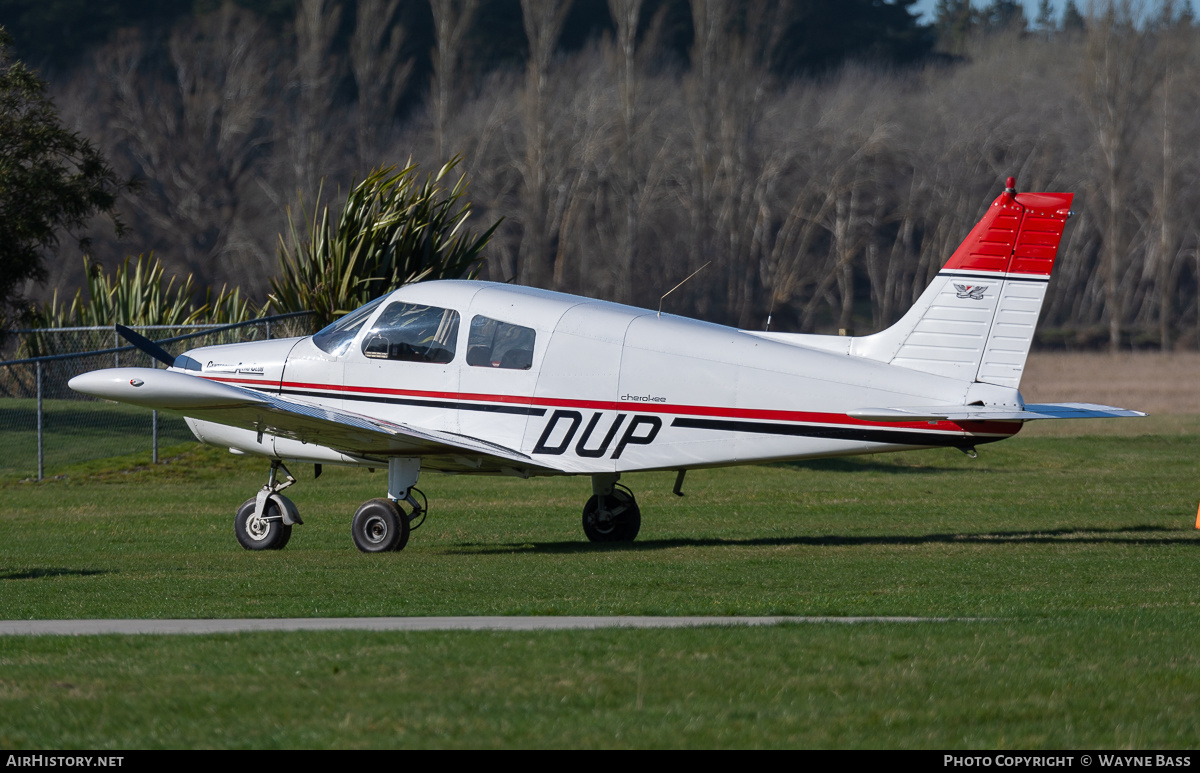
{"x": 89, "y": 627}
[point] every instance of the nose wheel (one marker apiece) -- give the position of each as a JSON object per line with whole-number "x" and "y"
{"x": 264, "y": 522}
{"x": 265, "y": 531}
{"x": 612, "y": 517}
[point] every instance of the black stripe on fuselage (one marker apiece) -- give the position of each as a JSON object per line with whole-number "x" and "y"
{"x": 866, "y": 435}
{"x": 519, "y": 410}
{"x": 861, "y": 434}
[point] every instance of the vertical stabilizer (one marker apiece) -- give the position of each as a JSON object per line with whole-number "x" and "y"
{"x": 976, "y": 319}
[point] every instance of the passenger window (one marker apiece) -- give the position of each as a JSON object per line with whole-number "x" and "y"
{"x": 496, "y": 344}
{"x": 412, "y": 333}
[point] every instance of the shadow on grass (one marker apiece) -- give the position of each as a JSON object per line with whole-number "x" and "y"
{"x": 1122, "y": 535}
{"x": 862, "y": 465}
{"x": 33, "y": 574}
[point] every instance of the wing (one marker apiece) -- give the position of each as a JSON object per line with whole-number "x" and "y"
{"x": 1031, "y": 412}
{"x": 350, "y": 433}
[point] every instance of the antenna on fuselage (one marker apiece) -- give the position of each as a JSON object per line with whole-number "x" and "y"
{"x": 676, "y": 287}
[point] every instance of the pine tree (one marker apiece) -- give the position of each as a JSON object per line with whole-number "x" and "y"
{"x": 1045, "y": 17}
{"x": 1072, "y": 20}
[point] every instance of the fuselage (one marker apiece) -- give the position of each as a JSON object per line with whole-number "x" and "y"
{"x": 586, "y": 386}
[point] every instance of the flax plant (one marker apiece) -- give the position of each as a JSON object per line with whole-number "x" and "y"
{"x": 137, "y": 294}
{"x": 392, "y": 230}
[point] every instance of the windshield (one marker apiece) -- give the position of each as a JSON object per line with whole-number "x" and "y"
{"x": 335, "y": 339}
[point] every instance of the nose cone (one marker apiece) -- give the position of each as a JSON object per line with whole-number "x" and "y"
{"x": 111, "y": 384}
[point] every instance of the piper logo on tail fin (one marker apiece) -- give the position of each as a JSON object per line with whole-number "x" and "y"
{"x": 974, "y": 292}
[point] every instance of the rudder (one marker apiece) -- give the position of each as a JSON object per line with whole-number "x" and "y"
{"x": 976, "y": 319}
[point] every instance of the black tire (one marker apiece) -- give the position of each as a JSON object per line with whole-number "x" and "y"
{"x": 253, "y": 534}
{"x": 379, "y": 526}
{"x": 616, "y": 519}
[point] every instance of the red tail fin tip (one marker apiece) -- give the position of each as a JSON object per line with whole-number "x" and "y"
{"x": 1019, "y": 234}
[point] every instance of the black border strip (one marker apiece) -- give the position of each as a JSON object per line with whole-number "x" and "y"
{"x": 518, "y": 410}
{"x": 1004, "y": 277}
{"x": 892, "y": 436}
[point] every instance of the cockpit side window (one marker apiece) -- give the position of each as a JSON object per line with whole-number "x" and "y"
{"x": 336, "y": 338}
{"x": 413, "y": 333}
{"x": 496, "y": 344}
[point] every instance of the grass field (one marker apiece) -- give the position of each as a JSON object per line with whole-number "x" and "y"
{"x": 78, "y": 430}
{"x": 1079, "y": 553}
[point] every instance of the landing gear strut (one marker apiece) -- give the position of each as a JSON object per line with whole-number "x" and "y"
{"x": 264, "y": 522}
{"x": 612, "y": 514}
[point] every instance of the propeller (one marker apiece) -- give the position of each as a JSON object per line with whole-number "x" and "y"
{"x": 146, "y": 345}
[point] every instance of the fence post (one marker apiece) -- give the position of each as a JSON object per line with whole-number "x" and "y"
{"x": 154, "y": 433}
{"x": 41, "y": 452}
{"x": 116, "y": 343}
{"x": 268, "y": 329}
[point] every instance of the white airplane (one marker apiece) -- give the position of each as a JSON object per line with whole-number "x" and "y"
{"x": 471, "y": 377}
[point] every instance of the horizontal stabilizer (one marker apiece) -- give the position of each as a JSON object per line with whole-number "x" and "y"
{"x": 1031, "y": 412}
{"x": 1078, "y": 411}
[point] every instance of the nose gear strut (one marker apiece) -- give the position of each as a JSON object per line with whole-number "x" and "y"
{"x": 264, "y": 522}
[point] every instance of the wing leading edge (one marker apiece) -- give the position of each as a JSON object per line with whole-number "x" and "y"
{"x": 349, "y": 433}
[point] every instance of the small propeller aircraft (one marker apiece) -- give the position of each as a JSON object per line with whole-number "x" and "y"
{"x": 473, "y": 377}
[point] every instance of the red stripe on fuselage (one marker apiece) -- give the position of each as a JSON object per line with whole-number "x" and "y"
{"x": 804, "y": 417}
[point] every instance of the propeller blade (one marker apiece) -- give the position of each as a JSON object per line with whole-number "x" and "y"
{"x": 146, "y": 345}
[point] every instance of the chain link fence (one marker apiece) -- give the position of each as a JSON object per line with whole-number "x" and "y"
{"x": 45, "y": 426}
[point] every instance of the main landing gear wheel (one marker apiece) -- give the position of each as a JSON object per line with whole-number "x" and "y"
{"x": 379, "y": 526}
{"x": 612, "y": 518}
{"x": 266, "y": 532}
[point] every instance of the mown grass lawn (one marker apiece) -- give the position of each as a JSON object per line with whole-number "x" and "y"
{"x": 76, "y": 431}
{"x": 1077, "y": 554}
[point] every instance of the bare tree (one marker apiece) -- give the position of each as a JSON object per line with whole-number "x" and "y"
{"x": 194, "y": 118}
{"x": 626, "y": 14}
{"x": 380, "y": 73}
{"x": 315, "y": 78}
{"x": 1120, "y": 76}
{"x": 451, "y": 20}
{"x": 1173, "y": 197}
{"x": 543, "y": 24}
